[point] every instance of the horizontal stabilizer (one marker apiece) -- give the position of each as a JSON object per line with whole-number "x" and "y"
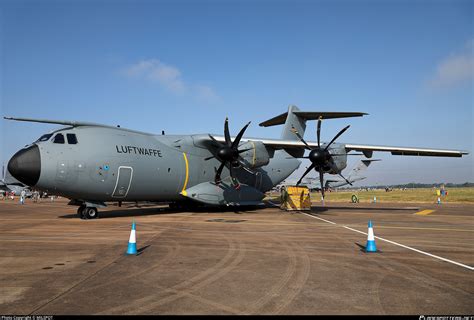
{"x": 280, "y": 119}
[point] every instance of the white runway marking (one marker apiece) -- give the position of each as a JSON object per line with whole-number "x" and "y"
{"x": 318, "y": 218}
{"x": 398, "y": 244}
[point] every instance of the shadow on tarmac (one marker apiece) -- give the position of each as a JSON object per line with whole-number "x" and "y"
{"x": 321, "y": 208}
{"x": 140, "y": 211}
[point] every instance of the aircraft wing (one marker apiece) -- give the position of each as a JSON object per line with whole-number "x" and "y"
{"x": 406, "y": 151}
{"x": 366, "y": 149}
{"x": 289, "y": 144}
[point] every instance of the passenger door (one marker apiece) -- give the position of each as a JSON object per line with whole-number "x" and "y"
{"x": 124, "y": 179}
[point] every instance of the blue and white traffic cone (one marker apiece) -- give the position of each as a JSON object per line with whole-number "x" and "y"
{"x": 132, "y": 242}
{"x": 370, "y": 246}
{"x": 439, "y": 200}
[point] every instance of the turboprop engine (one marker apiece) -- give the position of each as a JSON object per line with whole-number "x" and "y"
{"x": 256, "y": 154}
{"x": 337, "y": 160}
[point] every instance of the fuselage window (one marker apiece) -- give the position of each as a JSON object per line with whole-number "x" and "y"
{"x": 59, "y": 138}
{"x": 71, "y": 138}
{"x": 44, "y": 137}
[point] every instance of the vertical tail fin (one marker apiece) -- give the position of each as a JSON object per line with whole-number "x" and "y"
{"x": 360, "y": 168}
{"x": 293, "y": 121}
{"x": 297, "y": 119}
{"x": 290, "y": 120}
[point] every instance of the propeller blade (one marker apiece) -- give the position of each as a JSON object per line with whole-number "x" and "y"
{"x": 300, "y": 137}
{"x": 321, "y": 180}
{"x": 297, "y": 157}
{"x": 340, "y": 174}
{"x": 337, "y": 136}
{"x": 214, "y": 140}
{"x": 217, "y": 179}
{"x": 236, "y": 142}
{"x": 311, "y": 167}
{"x": 209, "y": 158}
{"x": 245, "y": 150}
{"x": 226, "y": 132}
{"x": 318, "y": 132}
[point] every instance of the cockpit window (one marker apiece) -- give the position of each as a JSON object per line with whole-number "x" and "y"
{"x": 59, "y": 138}
{"x": 71, "y": 138}
{"x": 44, "y": 137}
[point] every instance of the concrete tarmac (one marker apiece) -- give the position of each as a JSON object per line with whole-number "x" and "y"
{"x": 263, "y": 261}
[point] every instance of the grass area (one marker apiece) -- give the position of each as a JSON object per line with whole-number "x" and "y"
{"x": 428, "y": 195}
{"x": 420, "y": 195}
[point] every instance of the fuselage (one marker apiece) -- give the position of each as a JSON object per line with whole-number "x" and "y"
{"x": 115, "y": 164}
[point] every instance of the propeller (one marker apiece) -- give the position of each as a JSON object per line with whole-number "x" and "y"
{"x": 320, "y": 158}
{"x": 228, "y": 153}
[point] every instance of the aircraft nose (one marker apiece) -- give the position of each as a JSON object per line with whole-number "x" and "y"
{"x": 25, "y": 165}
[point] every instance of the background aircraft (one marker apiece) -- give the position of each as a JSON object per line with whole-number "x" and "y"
{"x": 10, "y": 184}
{"x": 93, "y": 163}
{"x": 356, "y": 174}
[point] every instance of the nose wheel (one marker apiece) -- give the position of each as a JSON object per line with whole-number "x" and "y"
{"x": 87, "y": 212}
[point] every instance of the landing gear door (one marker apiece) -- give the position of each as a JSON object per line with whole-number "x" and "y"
{"x": 124, "y": 179}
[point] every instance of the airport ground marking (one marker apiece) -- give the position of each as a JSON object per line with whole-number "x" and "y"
{"x": 318, "y": 218}
{"x": 424, "y": 212}
{"x": 425, "y": 229}
{"x": 398, "y": 244}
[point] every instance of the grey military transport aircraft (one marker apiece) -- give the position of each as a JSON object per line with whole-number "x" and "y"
{"x": 92, "y": 164}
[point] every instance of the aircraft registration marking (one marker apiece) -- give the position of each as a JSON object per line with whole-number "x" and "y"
{"x": 424, "y": 212}
{"x": 183, "y": 192}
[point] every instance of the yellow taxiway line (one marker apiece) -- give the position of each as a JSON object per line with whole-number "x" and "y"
{"x": 424, "y": 212}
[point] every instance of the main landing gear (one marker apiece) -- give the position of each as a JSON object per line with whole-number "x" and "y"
{"x": 87, "y": 212}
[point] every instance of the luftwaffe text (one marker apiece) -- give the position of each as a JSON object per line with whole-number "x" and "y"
{"x": 139, "y": 150}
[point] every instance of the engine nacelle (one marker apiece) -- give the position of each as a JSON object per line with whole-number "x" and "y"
{"x": 257, "y": 155}
{"x": 338, "y": 159}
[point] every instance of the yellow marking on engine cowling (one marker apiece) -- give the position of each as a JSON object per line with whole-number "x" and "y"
{"x": 183, "y": 192}
{"x": 424, "y": 212}
{"x": 254, "y": 153}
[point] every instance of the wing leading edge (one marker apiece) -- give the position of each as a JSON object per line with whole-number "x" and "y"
{"x": 367, "y": 149}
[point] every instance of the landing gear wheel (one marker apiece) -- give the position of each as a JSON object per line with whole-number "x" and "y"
{"x": 80, "y": 210}
{"x": 90, "y": 213}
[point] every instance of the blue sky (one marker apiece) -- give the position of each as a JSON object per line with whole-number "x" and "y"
{"x": 183, "y": 66}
